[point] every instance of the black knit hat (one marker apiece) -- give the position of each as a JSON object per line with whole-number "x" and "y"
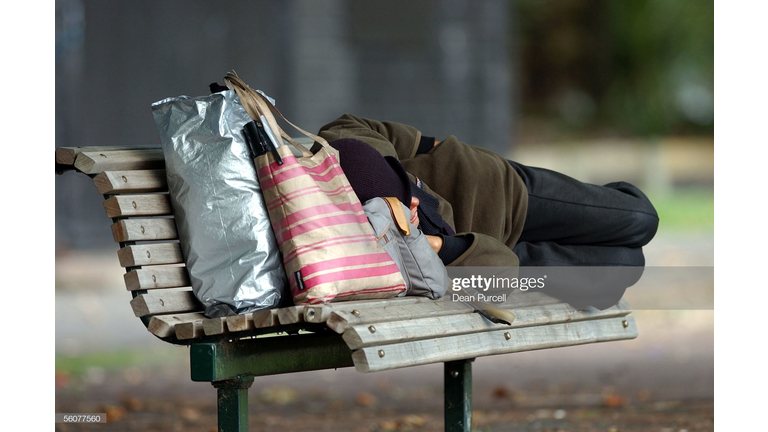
{"x": 371, "y": 174}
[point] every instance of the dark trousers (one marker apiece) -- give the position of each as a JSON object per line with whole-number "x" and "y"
{"x": 574, "y": 223}
{"x": 570, "y": 223}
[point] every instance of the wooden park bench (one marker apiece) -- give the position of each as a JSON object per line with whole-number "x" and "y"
{"x": 369, "y": 335}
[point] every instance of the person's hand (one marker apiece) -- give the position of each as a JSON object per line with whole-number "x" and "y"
{"x": 435, "y": 241}
{"x": 414, "y": 211}
{"x": 437, "y": 142}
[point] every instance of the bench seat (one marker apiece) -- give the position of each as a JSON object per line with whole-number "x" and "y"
{"x": 371, "y": 335}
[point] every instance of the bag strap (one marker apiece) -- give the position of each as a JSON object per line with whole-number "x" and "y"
{"x": 259, "y": 108}
{"x": 398, "y": 214}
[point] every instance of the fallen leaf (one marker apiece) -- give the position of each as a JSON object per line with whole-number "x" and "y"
{"x": 113, "y": 412}
{"x": 413, "y": 420}
{"x": 388, "y": 425}
{"x": 501, "y": 392}
{"x": 190, "y": 414}
{"x": 365, "y": 399}
{"x": 62, "y": 378}
{"x": 132, "y": 403}
{"x": 614, "y": 401}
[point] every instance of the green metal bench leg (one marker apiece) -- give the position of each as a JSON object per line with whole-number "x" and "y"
{"x": 458, "y": 395}
{"x": 233, "y": 404}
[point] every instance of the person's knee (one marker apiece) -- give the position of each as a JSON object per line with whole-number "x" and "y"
{"x": 644, "y": 218}
{"x": 649, "y": 221}
{"x": 645, "y": 225}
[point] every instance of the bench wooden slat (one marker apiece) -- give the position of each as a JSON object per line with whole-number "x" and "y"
{"x": 215, "y": 326}
{"x": 156, "y": 278}
{"x": 144, "y": 230}
{"x": 426, "y": 328}
{"x": 165, "y": 302}
{"x": 290, "y": 315}
{"x": 138, "y": 205}
{"x": 502, "y": 341}
{"x": 67, "y": 155}
{"x": 121, "y": 182}
{"x": 265, "y": 318}
{"x": 189, "y": 330}
{"x": 164, "y": 325}
{"x": 319, "y": 313}
{"x": 150, "y": 254}
{"x": 341, "y": 320}
{"x": 93, "y": 162}
{"x": 258, "y": 319}
{"x": 236, "y": 323}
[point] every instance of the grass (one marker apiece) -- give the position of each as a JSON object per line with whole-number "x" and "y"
{"x": 78, "y": 365}
{"x": 685, "y": 210}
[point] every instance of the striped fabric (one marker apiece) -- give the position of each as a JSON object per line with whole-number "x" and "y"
{"x": 322, "y": 230}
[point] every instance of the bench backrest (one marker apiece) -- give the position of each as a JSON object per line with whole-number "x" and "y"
{"x": 133, "y": 182}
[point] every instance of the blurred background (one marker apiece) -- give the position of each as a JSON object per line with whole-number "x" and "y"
{"x": 601, "y": 90}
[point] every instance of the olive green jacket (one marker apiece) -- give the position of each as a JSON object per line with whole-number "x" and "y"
{"x": 480, "y": 194}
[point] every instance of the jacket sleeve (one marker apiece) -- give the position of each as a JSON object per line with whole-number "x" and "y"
{"x": 388, "y": 138}
{"x": 402, "y": 141}
{"x": 398, "y": 140}
{"x": 486, "y": 251}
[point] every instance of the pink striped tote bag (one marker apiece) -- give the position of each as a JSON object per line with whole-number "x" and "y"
{"x": 330, "y": 251}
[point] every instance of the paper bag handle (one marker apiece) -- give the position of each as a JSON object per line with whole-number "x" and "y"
{"x": 257, "y": 105}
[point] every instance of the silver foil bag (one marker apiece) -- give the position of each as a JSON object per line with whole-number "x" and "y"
{"x": 226, "y": 238}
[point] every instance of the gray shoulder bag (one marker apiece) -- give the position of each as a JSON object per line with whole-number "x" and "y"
{"x": 423, "y": 271}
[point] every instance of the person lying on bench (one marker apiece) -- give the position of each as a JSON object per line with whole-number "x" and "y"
{"x": 480, "y": 209}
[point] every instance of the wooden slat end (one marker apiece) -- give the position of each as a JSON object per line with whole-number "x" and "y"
{"x": 265, "y": 318}
{"x": 236, "y": 323}
{"x": 139, "y": 306}
{"x": 189, "y": 330}
{"x": 290, "y": 315}
{"x": 215, "y": 326}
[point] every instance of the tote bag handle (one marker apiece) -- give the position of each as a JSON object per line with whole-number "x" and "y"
{"x": 257, "y": 106}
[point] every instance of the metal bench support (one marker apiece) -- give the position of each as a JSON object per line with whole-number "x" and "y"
{"x": 232, "y": 366}
{"x": 458, "y": 395}
{"x": 212, "y": 362}
{"x": 232, "y": 400}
